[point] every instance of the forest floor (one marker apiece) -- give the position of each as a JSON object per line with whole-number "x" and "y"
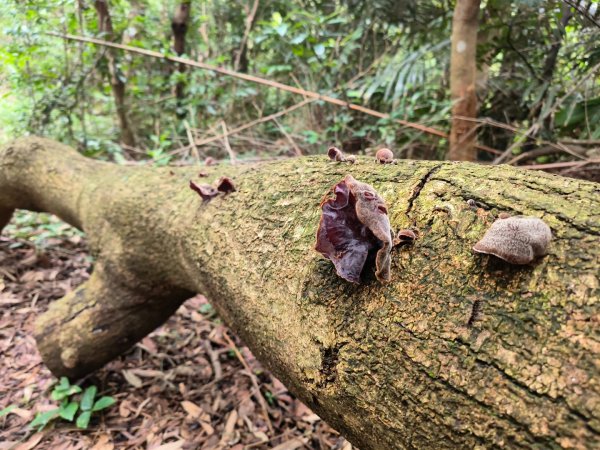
{"x": 181, "y": 387}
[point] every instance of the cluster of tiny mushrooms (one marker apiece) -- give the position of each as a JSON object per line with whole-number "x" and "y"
{"x": 355, "y": 228}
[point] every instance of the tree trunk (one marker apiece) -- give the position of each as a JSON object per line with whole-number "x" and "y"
{"x": 463, "y": 77}
{"x": 116, "y": 77}
{"x": 241, "y": 57}
{"x": 179, "y": 25}
{"x": 460, "y": 350}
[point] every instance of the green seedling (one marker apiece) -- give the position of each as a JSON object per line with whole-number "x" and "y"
{"x": 71, "y": 401}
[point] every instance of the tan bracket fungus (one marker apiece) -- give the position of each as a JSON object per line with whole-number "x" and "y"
{"x": 517, "y": 240}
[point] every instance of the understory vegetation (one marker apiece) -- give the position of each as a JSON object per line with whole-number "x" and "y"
{"x": 538, "y": 87}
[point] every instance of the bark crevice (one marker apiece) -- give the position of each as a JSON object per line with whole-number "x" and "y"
{"x": 419, "y": 187}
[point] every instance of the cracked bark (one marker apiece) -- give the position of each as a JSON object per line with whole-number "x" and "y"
{"x": 390, "y": 366}
{"x": 419, "y": 186}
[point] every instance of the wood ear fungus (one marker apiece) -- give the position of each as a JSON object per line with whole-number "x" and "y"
{"x": 206, "y": 191}
{"x": 517, "y": 240}
{"x": 335, "y": 154}
{"x": 225, "y": 185}
{"x": 353, "y": 224}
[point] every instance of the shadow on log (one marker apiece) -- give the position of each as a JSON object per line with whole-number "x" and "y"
{"x": 459, "y": 351}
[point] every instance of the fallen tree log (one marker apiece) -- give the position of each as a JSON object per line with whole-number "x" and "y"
{"x": 460, "y": 350}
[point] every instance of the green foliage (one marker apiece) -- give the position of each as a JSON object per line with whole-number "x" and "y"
{"x": 64, "y": 390}
{"x": 389, "y": 55}
{"x": 38, "y": 228}
{"x": 7, "y": 410}
{"x": 270, "y": 397}
{"x": 583, "y": 113}
{"x": 72, "y": 400}
{"x": 42, "y": 419}
{"x": 208, "y": 310}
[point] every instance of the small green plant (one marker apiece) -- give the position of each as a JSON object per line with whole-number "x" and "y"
{"x": 270, "y": 397}
{"x": 38, "y": 228}
{"x": 8, "y": 409}
{"x": 207, "y": 309}
{"x": 70, "y": 403}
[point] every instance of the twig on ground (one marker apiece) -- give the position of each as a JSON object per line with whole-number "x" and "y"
{"x": 226, "y": 143}
{"x": 580, "y": 141}
{"x": 542, "y": 151}
{"x": 259, "y": 397}
{"x": 193, "y": 146}
{"x": 214, "y": 360}
{"x": 487, "y": 121}
{"x": 249, "y": 22}
{"x": 288, "y": 137}
{"x": 535, "y": 126}
{"x": 560, "y": 165}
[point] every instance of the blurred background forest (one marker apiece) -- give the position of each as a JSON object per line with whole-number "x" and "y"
{"x": 538, "y": 87}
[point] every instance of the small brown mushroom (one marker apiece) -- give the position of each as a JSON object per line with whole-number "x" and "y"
{"x": 206, "y": 191}
{"x": 517, "y": 240}
{"x": 384, "y": 156}
{"x": 353, "y": 224}
{"x": 335, "y": 154}
{"x": 225, "y": 185}
{"x": 210, "y": 161}
{"x": 405, "y": 237}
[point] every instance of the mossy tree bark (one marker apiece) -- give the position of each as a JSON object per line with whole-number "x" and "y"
{"x": 458, "y": 351}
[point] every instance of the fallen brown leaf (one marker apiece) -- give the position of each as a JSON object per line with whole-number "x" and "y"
{"x": 30, "y": 443}
{"x": 192, "y": 409}
{"x": 292, "y": 444}
{"x": 103, "y": 443}
{"x": 177, "y": 445}
{"x": 132, "y": 378}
